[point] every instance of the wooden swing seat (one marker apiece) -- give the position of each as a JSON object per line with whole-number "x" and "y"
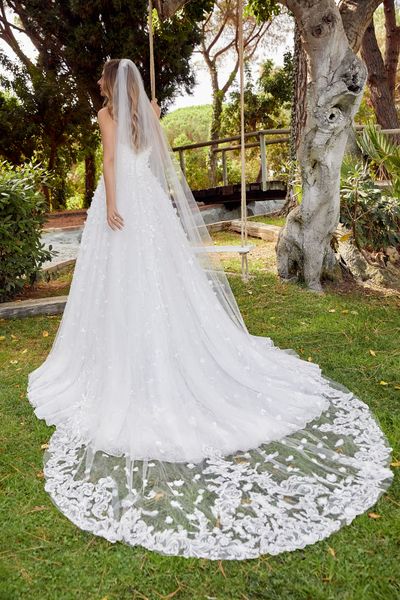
{"x": 242, "y": 250}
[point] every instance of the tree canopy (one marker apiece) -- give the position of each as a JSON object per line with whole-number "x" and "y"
{"x": 58, "y": 91}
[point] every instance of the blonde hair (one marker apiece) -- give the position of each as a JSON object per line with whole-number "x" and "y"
{"x": 109, "y": 76}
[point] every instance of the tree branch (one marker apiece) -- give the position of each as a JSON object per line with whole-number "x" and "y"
{"x": 7, "y": 35}
{"x": 356, "y": 16}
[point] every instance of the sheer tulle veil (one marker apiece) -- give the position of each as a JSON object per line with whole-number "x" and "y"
{"x": 138, "y": 128}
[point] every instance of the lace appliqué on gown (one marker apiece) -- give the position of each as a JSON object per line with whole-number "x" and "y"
{"x": 278, "y": 497}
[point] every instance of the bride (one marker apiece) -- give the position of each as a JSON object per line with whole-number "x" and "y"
{"x": 176, "y": 428}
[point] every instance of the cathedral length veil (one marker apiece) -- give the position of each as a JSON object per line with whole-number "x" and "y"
{"x": 255, "y": 451}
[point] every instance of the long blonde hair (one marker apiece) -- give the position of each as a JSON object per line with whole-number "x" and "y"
{"x": 109, "y": 76}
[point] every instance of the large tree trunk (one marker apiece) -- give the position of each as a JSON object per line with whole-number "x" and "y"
{"x": 90, "y": 177}
{"x": 378, "y": 81}
{"x": 392, "y": 48}
{"x": 337, "y": 79}
{"x": 215, "y": 128}
{"x": 300, "y": 86}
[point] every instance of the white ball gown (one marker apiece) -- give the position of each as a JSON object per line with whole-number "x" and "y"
{"x": 177, "y": 429}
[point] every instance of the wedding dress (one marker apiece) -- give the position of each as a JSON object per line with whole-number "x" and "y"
{"x": 177, "y": 429}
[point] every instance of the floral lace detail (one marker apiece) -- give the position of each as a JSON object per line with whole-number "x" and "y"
{"x": 279, "y": 497}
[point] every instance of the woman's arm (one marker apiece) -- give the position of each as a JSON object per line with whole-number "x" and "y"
{"x": 107, "y": 129}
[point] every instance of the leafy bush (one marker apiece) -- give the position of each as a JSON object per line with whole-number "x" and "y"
{"x": 22, "y": 214}
{"x": 383, "y": 156}
{"x": 372, "y": 216}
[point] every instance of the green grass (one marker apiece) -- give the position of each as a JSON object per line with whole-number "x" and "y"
{"x": 45, "y": 557}
{"x": 269, "y": 220}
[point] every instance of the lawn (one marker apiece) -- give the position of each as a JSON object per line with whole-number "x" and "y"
{"x": 268, "y": 219}
{"x": 351, "y": 334}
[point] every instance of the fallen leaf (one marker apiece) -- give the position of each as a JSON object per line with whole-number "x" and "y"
{"x": 332, "y": 551}
{"x": 397, "y": 386}
{"x": 2, "y": 337}
{"x": 383, "y": 382}
{"x": 24, "y": 351}
{"x": 372, "y": 352}
{"x": 332, "y": 310}
{"x": 13, "y": 362}
{"x": 36, "y": 509}
{"x": 14, "y": 337}
{"x": 45, "y": 333}
{"x": 345, "y": 311}
{"x": 40, "y": 475}
{"x": 44, "y": 446}
{"x": 395, "y": 463}
{"x": 309, "y": 359}
{"x": 373, "y": 515}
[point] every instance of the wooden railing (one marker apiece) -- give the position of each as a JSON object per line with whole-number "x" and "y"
{"x": 261, "y": 142}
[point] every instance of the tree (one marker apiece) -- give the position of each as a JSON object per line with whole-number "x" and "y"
{"x": 16, "y": 135}
{"x": 219, "y": 40}
{"x": 190, "y": 125}
{"x": 73, "y": 40}
{"x": 332, "y": 36}
{"x": 49, "y": 111}
{"x": 382, "y": 69}
{"x": 264, "y": 101}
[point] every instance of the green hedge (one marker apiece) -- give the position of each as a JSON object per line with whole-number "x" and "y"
{"x": 22, "y": 215}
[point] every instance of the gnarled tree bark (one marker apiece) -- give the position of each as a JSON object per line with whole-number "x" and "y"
{"x": 337, "y": 80}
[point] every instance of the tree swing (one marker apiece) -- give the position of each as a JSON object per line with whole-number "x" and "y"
{"x": 244, "y": 247}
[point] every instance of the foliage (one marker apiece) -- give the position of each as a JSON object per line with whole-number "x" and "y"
{"x": 383, "y": 154}
{"x": 267, "y": 103}
{"x": 22, "y": 213}
{"x": 59, "y": 94}
{"x": 263, "y": 10}
{"x": 365, "y": 113}
{"x": 374, "y": 218}
{"x": 267, "y": 106}
{"x": 17, "y": 133}
{"x": 189, "y": 126}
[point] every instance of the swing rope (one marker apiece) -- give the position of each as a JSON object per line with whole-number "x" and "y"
{"x": 151, "y": 50}
{"x": 243, "y": 229}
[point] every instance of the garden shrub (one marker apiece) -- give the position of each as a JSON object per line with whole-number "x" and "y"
{"x": 372, "y": 216}
{"x": 22, "y": 215}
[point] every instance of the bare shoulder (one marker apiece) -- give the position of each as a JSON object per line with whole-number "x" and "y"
{"x": 103, "y": 116}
